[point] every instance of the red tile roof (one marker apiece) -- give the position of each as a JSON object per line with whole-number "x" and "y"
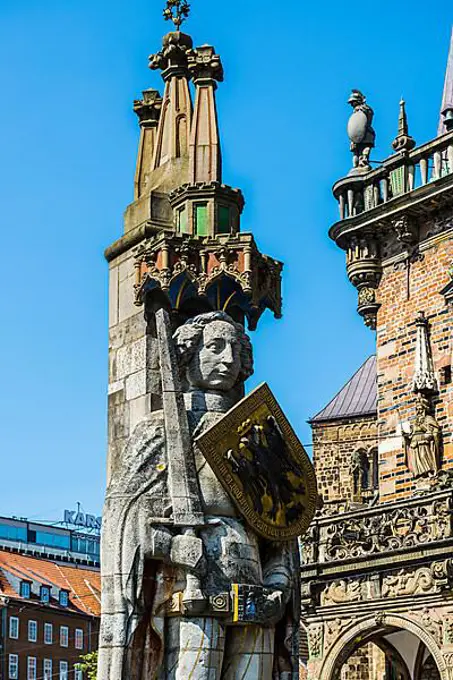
{"x": 83, "y": 584}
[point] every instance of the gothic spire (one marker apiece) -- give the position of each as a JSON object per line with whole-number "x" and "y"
{"x": 403, "y": 141}
{"x": 446, "y": 111}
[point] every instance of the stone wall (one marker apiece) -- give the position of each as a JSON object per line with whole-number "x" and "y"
{"x": 411, "y": 284}
{"x": 134, "y": 378}
{"x": 334, "y": 443}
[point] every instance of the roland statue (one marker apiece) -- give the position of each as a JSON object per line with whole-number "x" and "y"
{"x": 168, "y": 610}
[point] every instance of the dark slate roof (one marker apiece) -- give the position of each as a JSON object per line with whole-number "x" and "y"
{"x": 357, "y": 398}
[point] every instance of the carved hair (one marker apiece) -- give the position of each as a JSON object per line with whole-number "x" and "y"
{"x": 187, "y": 339}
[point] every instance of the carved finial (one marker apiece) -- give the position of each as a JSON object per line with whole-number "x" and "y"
{"x": 360, "y": 132}
{"x": 205, "y": 64}
{"x": 403, "y": 141}
{"x": 446, "y": 111}
{"x": 176, "y": 11}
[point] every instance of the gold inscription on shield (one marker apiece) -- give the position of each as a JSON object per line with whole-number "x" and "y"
{"x": 258, "y": 458}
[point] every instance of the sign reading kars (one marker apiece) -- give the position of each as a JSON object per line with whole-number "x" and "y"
{"x": 80, "y": 519}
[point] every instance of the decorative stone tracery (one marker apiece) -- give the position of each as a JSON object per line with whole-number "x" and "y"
{"x": 210, "y": 274}
{"x": 368, "y": 627}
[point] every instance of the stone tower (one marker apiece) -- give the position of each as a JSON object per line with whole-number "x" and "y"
{"x": 182, "y": 246}
{"x": 377, "y": 579}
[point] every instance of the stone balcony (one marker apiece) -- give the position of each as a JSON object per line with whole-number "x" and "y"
{"x": 417, "y": 179}
{"x": 374, "y": 537}
{"x": 383, "y": 213}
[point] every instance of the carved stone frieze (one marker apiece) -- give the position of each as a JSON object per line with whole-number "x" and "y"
{"x": 448, "y": 658}
{"x": 389, "y": 529}
{"x": 344, "y": 590}
{"x": 448, "y": 631}
{"x": 316, "y": 640}
{"x": 430, "y": 621}
{"x": 422, "y": 581}
{"x": 309, "y": 545}
{"x": 334, "y": 628}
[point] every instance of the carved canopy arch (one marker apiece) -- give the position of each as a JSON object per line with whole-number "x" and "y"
{"x": 362, "y": 631}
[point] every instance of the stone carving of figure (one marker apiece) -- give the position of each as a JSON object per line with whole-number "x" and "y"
{"x": 422, "y": 439}
{"x": 146, "y": 632}
{"x": 360, "y": 131}
{"x": 360, "y": 471}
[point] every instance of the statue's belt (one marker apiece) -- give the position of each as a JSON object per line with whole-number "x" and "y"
{"x": 243, "y": 604}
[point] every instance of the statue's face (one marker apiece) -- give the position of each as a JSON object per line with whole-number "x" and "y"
{"x": 216, "y": 364}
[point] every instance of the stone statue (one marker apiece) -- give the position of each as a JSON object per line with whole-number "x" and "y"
{"x": 360, "y": 132}
{"x": 422, "y": 439}
{"x": 152, "y": 626}
{"x": 360, "y": 472}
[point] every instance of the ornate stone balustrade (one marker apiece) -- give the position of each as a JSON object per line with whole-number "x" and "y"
{"x": 400, "y": 174}
{"x": 390, "y": 205}
{"x": 381, "y": 530}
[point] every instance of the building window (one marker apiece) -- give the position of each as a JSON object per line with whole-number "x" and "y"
{"x": 13, "y": 667}
{"x": 78, "y": 675}
{"x": 223, "y": 222}
{"x": 63, "y": 670}
{"x": 13, "y": 533}
{"x": 48, "y": 633}
{"x": 182, "y": 221}
{"x": 25, "y": 590}
{"x": 79, "y": 638}
{"x": 31, "y": 668}
{"x": 64, "y": 598}
{"x": 14, "y": 627}
{"x": 47, "y": 668}
{"x": 64, "y": 636}
{"x": 45, "y": 594}
{"x": 201, "y": 219}
{"x": 32, "y": 631}
{"x": 53, "y": 540}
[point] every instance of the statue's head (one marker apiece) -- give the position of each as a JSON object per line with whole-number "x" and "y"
{"x": 356, "y": 98}
{"x": 422, "y": 406}
{"x": 214, "y": 351}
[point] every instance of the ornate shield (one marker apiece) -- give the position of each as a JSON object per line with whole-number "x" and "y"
{"x": 263, "y": 466}
{"x": 357, "y": 126}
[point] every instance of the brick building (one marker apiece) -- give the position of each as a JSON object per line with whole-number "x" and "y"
{"x": 377, "y": 563}
{"x": 49, "y": 605}
{"x": 348, "y": 422}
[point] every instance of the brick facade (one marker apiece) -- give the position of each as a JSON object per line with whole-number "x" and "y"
{"x": 405, "y": 289}
{"x": 377, "y": 571}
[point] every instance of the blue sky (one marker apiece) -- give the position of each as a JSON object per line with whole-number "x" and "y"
{"x": 68, "y": 74}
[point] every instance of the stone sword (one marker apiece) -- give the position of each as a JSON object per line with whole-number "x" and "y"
{"x": 187, "y": 548}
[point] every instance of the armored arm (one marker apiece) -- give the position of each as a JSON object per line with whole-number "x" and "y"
{"x": 277, "y": 572}
{"x": 278, "y": 578}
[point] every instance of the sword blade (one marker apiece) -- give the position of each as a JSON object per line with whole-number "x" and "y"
{"x": 182, "y": 475}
